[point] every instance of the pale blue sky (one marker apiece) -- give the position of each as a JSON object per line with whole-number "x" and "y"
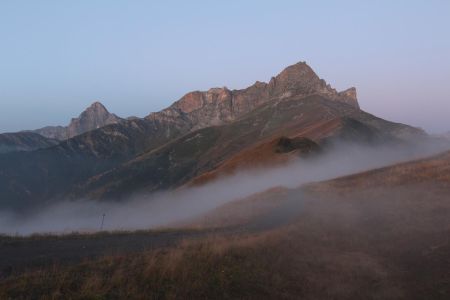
{"x": 56, "y": 57}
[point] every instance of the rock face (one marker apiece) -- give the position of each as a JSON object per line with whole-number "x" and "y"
{"x": 95, "y": 116}
{"x": 219, "y": 106}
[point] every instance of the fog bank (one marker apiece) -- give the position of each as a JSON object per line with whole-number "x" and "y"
{"x": 164, "y": 208}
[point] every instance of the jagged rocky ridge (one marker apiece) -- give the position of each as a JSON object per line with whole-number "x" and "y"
{"x": 218, "y": 106}
{"x": 197, "y": 134}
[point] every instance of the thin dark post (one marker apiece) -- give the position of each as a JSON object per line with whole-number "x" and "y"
{"x": 103, "y": 220}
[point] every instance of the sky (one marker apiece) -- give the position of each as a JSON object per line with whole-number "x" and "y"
{"x": 136, "y": 57}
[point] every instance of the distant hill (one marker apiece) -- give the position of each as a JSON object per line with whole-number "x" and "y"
{"x": 93, "y": 117}
{"x": 24, "y": 141}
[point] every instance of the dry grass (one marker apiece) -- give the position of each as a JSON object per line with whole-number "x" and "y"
{"x": 377, "y": 244}
{"x": 387, "y": 240}
{"x": 213, "y": 268}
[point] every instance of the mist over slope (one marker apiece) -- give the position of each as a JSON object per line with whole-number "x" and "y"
{"x": 144, "y": 211}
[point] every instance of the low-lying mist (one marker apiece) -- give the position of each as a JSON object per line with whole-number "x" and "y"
{"x": 163, "y": 208}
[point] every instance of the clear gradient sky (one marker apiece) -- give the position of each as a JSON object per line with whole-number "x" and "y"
{"x": 56, "y": 57}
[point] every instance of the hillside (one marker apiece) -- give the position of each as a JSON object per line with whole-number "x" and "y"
{"x": 381, "y": 234}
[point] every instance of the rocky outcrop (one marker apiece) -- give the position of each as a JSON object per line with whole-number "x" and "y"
{"x": 219, "y": 106}
{"x": 349, "y": 96}
{"x": 95, "y": 116}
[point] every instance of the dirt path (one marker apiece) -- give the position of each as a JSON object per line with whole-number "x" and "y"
{"x": 17, "y": 254}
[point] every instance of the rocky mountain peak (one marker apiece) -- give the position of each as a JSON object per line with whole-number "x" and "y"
{"x": 221, "y": 105}
{"x": 97, "y": 107}
{"x": 96, "y": 113}
{"x": 93, "y": 117}
{"x": 299, "y": 76}
{"x": 300, "y": 79}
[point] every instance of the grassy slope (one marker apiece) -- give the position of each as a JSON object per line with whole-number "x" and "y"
{"x": 386, "y": 237}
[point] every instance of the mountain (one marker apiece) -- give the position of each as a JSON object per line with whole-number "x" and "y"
{"x": 198, "y": 134}
{"x": 94, "y": 117}
{"x": 219, "y": 106}
{"x": 24, "y": 141}
{"x": 214, "y": 148}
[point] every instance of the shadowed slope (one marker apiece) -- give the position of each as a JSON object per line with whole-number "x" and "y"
{"x": 28, "y": 179}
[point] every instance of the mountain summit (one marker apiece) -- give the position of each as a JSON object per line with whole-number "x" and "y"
{"x": 300, "y": 79}
{"x": 93, "y": 117}
{"x": 219, "y": 106}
